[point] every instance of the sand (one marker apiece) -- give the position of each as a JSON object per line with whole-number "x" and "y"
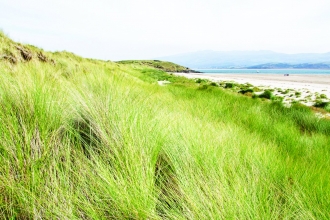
{"x": 310, "y": 86}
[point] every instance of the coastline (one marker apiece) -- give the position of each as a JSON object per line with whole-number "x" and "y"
{"x": 316, "y": 83}
{"x": 309, "y": 86}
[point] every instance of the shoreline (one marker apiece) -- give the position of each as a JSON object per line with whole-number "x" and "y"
{"x": 317, "y": 82}
{"x": 309, "y": 86}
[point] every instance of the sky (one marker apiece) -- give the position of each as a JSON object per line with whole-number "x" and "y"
{"x": 147, "y": 29}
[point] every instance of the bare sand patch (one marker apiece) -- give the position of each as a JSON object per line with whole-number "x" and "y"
{"x": 303, "y": 88}
{"x": 316, "y": 82}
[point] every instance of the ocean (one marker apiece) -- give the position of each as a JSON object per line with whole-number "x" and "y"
{"x": 265, "y": 71}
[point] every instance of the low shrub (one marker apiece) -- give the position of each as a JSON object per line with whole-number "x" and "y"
{"x": 323, "y": 96}
{"x": 243, "y": 91}
{"x": 230, "y": 85}
{"x": 198, "y": 80}
{"x": 256, "y": 89}
{"x": 266, "y": 94}
{"x": 321, "y": 104}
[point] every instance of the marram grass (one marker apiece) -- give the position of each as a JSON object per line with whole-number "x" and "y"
{"x": 87, "y": 139}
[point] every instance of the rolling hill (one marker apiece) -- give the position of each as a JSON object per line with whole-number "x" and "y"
{"x": 91, "y": 139}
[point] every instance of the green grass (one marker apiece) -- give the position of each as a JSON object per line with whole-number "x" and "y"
{"x": 267, "y": 94}
{"x": 161, "y": 65}
{"x": 88, "y": 139}
{"x": 323, "y": 105}
{"x": 323, "y": 96}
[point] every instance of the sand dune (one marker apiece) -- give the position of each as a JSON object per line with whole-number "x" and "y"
{"x": 316, "y": 83}
{"x": 305, "y": 89}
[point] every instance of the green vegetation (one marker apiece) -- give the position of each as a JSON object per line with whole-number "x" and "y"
{"x": 322, "y": 104}
{"x": 89, "y": 139}
{"x": 267, "y": 94}
{"x": 323, "y": 96}
{"x": 286, "y": 91}
{"x": 201, "y": 80}
{"x": 257, "y": 89}
{"x": 230, "y": 85}
{"x": 161, "y": 65}
{"x": 246, "y": 90}
{"x": 213, "y": 84}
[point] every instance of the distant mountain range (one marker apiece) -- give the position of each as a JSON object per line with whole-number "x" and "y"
{"x": 291, "y": 66}
{"x": 250, "y": 59}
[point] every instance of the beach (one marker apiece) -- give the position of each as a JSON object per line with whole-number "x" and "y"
{"x": 306, "y": 84}
{"x": 315, "y": 83}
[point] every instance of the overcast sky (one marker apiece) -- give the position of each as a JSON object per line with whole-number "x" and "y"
{"x": 143, "y": 29}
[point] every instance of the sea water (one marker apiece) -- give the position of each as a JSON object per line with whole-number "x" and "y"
{"x": 265, "y": 71}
